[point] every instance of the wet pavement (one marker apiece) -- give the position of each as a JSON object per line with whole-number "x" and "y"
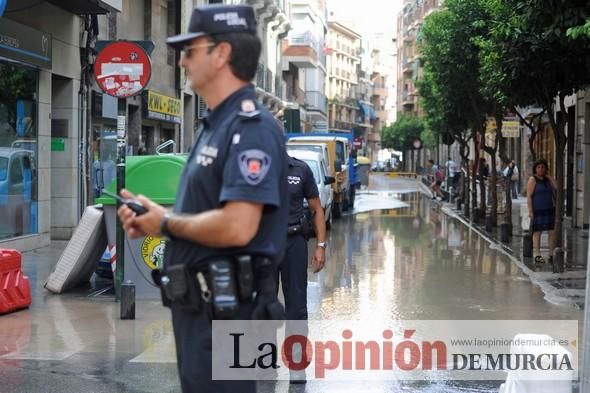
{"x": 412, "y": 262}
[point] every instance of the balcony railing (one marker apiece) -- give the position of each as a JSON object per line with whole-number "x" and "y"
{"x": 265, "y": 79}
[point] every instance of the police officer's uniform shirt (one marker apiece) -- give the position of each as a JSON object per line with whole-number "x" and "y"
{"x": 301, "y": 185}
{"x": 238, "y": 156}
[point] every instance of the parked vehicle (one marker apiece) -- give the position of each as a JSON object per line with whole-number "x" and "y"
{"x": 339, "y": 150}
{"x": 324, "y": 181}
{"x": 321, "y": 148}
{"x": 18, "y": 193}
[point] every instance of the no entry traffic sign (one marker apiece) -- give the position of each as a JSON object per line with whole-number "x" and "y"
{"x": 122, "y": 69}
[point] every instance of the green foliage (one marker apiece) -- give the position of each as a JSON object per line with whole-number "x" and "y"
{"x": 401, "y": 134}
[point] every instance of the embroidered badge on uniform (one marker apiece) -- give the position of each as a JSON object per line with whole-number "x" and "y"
{"x": 248, "y": 106}
{"x": 254, "y": 165}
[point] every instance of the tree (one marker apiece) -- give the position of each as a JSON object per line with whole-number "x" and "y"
{"x": 544, "y": 63}
{"x": 452, "y": 64}
{"x": 402, "y": 134}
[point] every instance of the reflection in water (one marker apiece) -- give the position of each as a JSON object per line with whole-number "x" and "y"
{"x": 389, "y": 267}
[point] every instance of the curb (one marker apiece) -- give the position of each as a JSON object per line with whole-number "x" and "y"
{"x": 556, "y": 296}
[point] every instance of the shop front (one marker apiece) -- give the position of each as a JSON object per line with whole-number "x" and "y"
{"x": 161, "y": 123}
{"x": 23, "y": 53}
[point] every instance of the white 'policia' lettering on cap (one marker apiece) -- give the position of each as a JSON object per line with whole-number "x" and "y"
{"x": 231, "y": 18}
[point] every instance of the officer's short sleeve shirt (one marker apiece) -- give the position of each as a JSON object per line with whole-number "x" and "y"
{"x": 238, "y": 156}
{"x": 302, "y": 185}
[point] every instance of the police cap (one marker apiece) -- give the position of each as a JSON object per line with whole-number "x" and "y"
{"x": 216, "y": 19}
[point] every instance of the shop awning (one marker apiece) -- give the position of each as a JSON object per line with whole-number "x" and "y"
{"x": 83, "y": 7}
{"x": 365, "y": 109}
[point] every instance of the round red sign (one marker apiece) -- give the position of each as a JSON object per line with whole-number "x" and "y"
{"x": 122, "y": 69}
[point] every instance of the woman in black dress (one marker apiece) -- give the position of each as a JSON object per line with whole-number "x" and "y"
{"x": 541, "y": 203}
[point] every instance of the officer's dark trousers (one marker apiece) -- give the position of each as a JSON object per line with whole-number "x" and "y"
{"x": 293, "y": 271}
{"x": 193, "y": 352}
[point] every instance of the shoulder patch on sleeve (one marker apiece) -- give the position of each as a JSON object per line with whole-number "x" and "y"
{"x": 249, "y": 110}
{"x": 254, "y": 165}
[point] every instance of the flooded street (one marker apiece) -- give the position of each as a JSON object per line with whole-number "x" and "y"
{"x": 387, "y": 265}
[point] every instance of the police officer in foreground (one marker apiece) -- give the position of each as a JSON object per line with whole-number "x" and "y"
{"x": 229, "y": 221}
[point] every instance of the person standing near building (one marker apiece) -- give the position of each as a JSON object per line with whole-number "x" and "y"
{"x": 436, "y": 179}
{"x": 514, "y": 175}
{"x": 451, "y": 168}
{"x": 231, "y": 206}
{"x": 541, "y": 191}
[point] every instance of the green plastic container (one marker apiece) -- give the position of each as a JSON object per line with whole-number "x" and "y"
{"x": 155, "y": 177}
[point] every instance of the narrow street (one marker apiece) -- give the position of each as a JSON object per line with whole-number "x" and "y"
{"x": 386, "y": 265}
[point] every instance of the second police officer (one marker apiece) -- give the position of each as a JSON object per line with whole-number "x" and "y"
{"x": 230, "y": 217}
{"x": 293, "y": 268}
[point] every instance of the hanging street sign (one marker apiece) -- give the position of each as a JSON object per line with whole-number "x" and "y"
{"x": 122, "y": 69}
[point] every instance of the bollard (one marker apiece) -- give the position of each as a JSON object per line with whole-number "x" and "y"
{"x": 127, "y": 300}
{"x": 476, "y": 215}
{"x": 504, "y": 233}
{"x": 558, "y": 260}
{"x": 527, "y": 245}
{"x": 459, "y": 201}
{"x": 489, "y": 224}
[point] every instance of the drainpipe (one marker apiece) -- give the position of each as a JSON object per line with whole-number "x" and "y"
{"x": 585, "y": 375}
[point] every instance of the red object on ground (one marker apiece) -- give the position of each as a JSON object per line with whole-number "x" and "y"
{"x": 15, "y": 289}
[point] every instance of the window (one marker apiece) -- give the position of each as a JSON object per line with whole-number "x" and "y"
{"x": 18, "y": 147}
{"x": 314, "y": 168}
{"x": 16, "y": 171}
{"x": 3, "y": 168}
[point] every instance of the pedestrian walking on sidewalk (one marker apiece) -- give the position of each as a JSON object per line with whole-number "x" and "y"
{"x": 436, "y": 179}
{"x": 514, "y": 179}
{"x": 541, "y": 191}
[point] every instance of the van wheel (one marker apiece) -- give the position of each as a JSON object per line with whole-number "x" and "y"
{"x": 337, "y": 210}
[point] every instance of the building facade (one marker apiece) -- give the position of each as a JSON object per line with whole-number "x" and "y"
{"x": 409, "y": 23}
{"x": 304, "y": 67}
{"x": 42, "y": 118}
{"x": 343, "y": 50}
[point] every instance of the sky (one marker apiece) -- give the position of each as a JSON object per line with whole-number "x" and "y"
{"x": 368, "y": 16}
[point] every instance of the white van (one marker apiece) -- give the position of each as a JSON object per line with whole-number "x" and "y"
{"x": 323, "y": 180}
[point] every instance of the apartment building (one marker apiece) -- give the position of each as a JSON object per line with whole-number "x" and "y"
{"x": 409, "y": 70}
{"x": 343, "y": 50}
{"x": 304, "y": 66}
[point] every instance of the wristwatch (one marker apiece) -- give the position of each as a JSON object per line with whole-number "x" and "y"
{"x": 164, "y": 226}
{"x": 322, "y": 245}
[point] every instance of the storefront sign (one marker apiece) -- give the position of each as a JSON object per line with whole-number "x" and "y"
{"x": 510, "y": 127}
{"x": 23, "y": 43}
{"x": 123, "y": 69}
{"x": 162, "y": 107}
{"x": 58, "y": 144}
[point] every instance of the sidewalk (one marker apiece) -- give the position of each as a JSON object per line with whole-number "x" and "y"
{"x": 566, "y": 288}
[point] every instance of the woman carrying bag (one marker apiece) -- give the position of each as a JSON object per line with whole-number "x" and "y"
{"x": 541, "y": 190}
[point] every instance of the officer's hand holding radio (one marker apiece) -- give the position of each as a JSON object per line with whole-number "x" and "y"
{"x": 138, "y": 226}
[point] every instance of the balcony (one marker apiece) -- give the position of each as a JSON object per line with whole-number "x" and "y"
{"x": 316, "y": 100}
{"x": 407, "y": 66}
{"x": 265, "y": 79}
{"x": 408, "y": 98}
{"x": 305, "y": 51}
